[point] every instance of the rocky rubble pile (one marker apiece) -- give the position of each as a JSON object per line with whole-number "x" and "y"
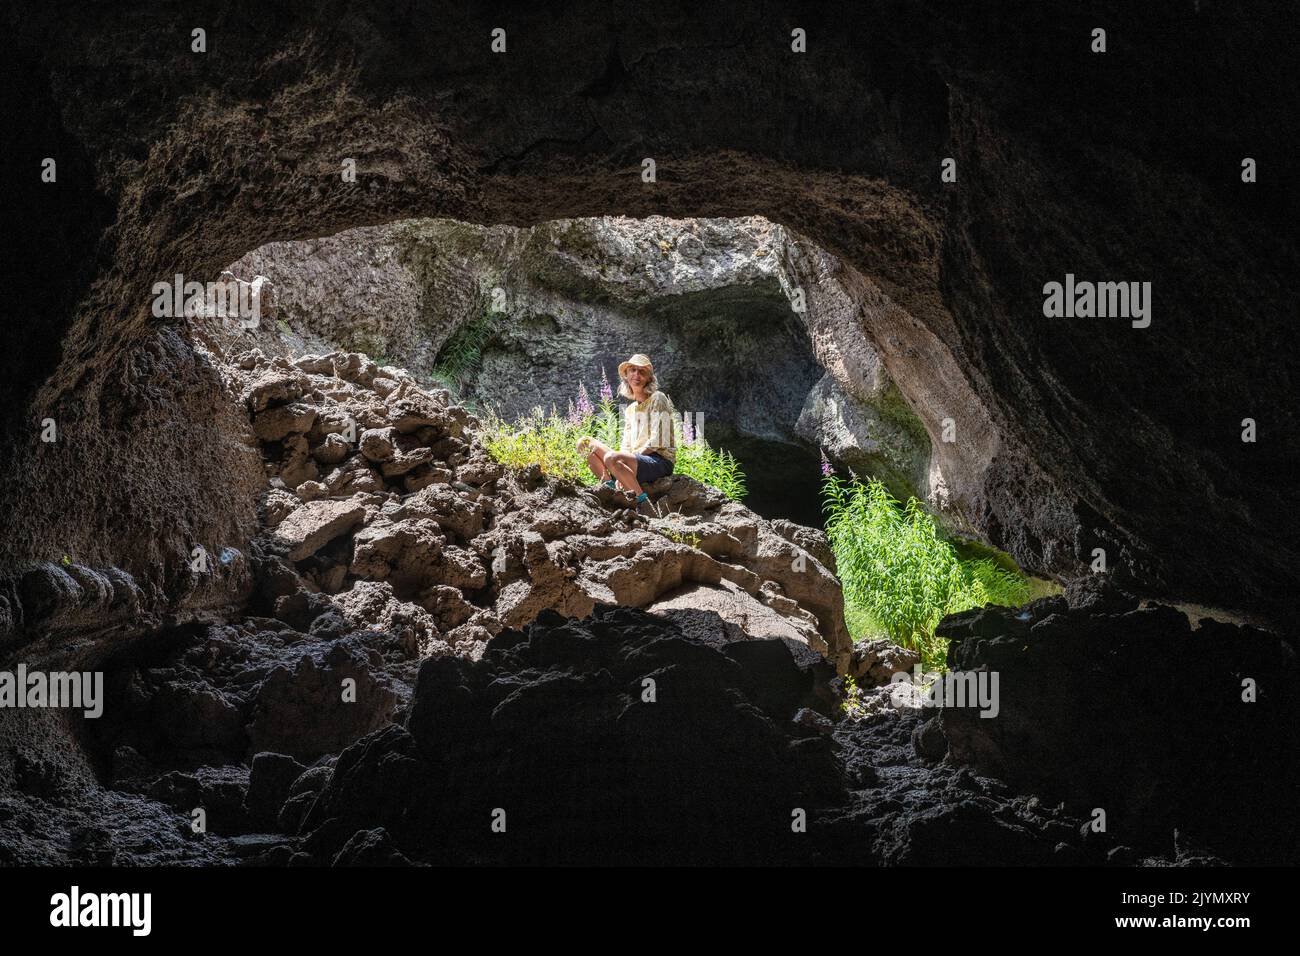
{"x": 1184, "y": 734}
{"x": 623, "y": 739}
{"x": 430, "y": 648}
{"x": 382, "y": 507}
{"x": 387, "y": 537}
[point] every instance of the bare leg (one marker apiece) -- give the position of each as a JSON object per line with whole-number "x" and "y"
{"x": 623, "y": 465}
{"x": 596, "y": 461}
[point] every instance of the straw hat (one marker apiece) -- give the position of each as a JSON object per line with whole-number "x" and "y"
{"x": 639, "y": 360}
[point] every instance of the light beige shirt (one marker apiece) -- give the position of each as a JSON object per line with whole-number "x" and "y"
{"x": 649, "y": 427}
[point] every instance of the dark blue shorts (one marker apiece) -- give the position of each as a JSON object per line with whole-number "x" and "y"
{"x": 650, "y": 468}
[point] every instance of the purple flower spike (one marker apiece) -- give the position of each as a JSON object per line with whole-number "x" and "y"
{"x": 585, "y": 407}
{"x": 827, "y": 470}
{"x": 606, "y": 393}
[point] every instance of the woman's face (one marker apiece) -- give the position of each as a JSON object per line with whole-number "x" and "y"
{"x": 637, "y": 377}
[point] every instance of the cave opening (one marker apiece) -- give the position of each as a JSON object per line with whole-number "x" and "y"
{"x": 750, "y": 328}
{"x": 923, "y": 320}
{"x": 838, "y": 408}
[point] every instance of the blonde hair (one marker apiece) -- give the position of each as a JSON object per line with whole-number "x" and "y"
{"x": 625, "y": 390}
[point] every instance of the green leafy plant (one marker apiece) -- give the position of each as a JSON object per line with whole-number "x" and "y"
{"x": 852, "y": 705}
{"x": 899, "y": 573}
{"x": 713, "y": 466}
{"x": 547, "y": 441}
{"x": 681, "y": 537}
{"x": 462, "y": 353}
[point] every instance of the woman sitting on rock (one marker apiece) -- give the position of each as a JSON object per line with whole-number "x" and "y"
{"x": 649, "y": 444}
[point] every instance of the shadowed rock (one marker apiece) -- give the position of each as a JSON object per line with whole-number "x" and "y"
{"x": 1162, "y": 725}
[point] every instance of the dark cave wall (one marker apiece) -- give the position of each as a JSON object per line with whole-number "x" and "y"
{"x": 1116, "y": 167}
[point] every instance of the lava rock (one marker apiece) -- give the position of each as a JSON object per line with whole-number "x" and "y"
{"x": 310, "y": 710}
{"x": 270, "y": 778}
{"x": 370, "y": 848}
{"x": 311, "y": 526}
{"x": 626, "y": 697}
